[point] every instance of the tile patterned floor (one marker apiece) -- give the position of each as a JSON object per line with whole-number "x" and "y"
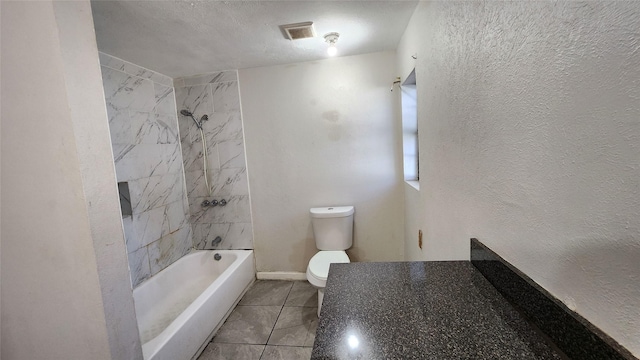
{"x": 274, "y": 320}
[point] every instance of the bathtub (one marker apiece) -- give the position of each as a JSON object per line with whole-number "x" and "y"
{"x": 179, "y": 308}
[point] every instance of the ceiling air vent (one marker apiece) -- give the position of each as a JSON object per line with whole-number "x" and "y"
{"x": 297, "y": 31}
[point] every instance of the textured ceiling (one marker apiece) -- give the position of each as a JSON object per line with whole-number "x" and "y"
{"x": 181, "y": 38}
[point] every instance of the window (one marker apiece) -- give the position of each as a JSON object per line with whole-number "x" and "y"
{"x": 410, "y": 128}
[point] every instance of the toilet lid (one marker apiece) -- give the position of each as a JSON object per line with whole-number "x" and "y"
{"x": 319, "y": 264}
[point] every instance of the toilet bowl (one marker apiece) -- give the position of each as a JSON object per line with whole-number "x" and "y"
{"x": 333, "y": 233}
{"x": 318, "y": 270}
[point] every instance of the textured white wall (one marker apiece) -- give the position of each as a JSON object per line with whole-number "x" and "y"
{"x": 529, "y": 116}
{"x": 86, "y": 102}
{"x": 65, "y": 289}
{"x": 318, "y": 134}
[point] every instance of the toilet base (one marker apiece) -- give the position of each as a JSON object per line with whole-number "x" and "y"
{"x": 320, "y": 297}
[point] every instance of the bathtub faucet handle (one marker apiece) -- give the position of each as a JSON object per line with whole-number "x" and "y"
{"x": 222, "y": 202}
{"x": 213, "y": 203}
{"x": 205, "y": 203}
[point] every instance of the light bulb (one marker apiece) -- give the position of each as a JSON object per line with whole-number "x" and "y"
{"x": 332, "y": 50}
{"x": 353, "y": 342}
{"x": 331, "y": 39}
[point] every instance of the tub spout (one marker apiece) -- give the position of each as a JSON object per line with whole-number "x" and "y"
{"x": 216, "y": 241}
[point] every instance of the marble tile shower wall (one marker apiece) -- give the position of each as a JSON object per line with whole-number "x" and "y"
{"x": 147, "y": 154}
{"x": 216, "y": 95}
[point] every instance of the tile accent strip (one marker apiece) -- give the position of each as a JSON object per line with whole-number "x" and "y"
{"x": 571, "y": 333}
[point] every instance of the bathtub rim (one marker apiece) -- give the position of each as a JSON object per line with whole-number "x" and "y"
{"x": 153, "y": 346}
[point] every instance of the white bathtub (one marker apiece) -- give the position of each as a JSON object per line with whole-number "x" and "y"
{"x": 179, "y": 308}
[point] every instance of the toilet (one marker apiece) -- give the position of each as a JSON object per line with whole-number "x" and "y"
{"x": 333, "y": 232}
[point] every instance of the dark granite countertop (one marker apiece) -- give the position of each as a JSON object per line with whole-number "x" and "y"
{"x": 421, "y": 310}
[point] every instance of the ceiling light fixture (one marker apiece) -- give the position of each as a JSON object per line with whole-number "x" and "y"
{"x": 332, "y": 39}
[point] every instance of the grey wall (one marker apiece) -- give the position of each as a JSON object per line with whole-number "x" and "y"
{"x": 215, "y": 95}
{"x": 529, "y": 122}
{"x": 147, "y": 155}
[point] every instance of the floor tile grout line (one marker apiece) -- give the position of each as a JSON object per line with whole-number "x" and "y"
{"x": 293, "y": 306}
{"x": 235, "y": 343}
{"x": 280, "y": 313}
{"x": 292, "y": 284}
{"x": 277, "y": 318}
{"x": 297, "y": 346}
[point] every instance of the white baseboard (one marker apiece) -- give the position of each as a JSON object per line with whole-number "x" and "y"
{"x": 281, "y": 275}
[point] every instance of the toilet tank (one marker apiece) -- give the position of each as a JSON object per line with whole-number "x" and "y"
{"x": 333, "y": 227}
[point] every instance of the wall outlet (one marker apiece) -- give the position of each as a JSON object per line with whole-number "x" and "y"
{"x": 420, "y": 239}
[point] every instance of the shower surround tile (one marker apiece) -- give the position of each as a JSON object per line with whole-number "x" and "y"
{"x": 230, "y": 181}
{"x": 196, "y": 99}
{"x": 124, "y": 91}
{"x": 120, "y": 151}
{"x": 193, "y": 156}
{"x": 151, "y": 225}
{"x": 165, "y": 100}
{"x": 227, "y": 125}
{"x": 184, "y": 128}
{"x": 138, "y": 162}
{"x": 151, "y": 192}
{"x": 196, "y": 186}
{"x": 231, "y": 153}
{"x": 221, "y": 76}
{"x": 225, "y": 96}
{"x": 193, "y": 133}
{"x": 139, "y": 266}
{"x": 177, "y": 215}
{"x": 111, "y": 62}
{"x": 237, "y": 210}
{"x": 150, "y": 128}
{"x": 143, "y": 123}
{"x": 172, "y": 155}
{"x": 217, "y": 96}
{"x": 168, "y": 249}
{"x": 178, "y": 83}
{"x": 148, "y": 226}
{"x": 120, "y": 126}
{"x": 115, "y": 63}
{"x": 129, "y": 238}
{"x": 235, "y": 236}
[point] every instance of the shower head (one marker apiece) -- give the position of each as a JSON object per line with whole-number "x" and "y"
{"x": 204, "y": 117}
{"x": 185, "y": 112}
